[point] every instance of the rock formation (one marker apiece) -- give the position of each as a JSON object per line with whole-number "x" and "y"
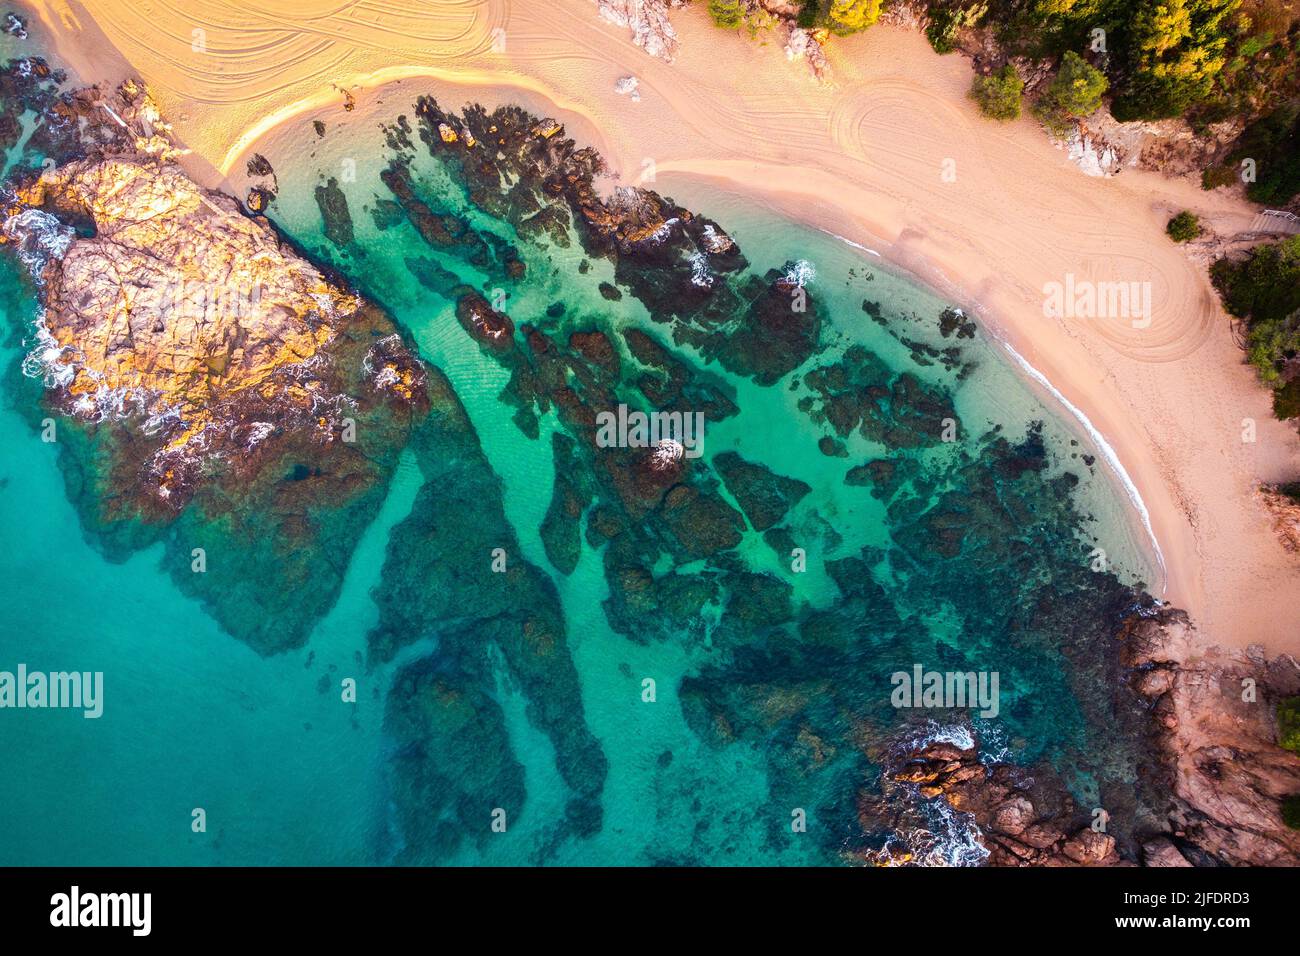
{"x": 181, "y": 310}
{"x": 1284, "y": 511}
{"x": 1209, "y": 790}
{"x": 1023, "y": 819}
{"x": 1214, "y": 741}
{"x": 648, "y": 22}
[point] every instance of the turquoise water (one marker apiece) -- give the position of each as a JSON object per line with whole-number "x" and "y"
{"x": 764, "y": 704}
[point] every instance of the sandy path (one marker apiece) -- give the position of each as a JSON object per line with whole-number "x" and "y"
{"x": 863, "y": 158}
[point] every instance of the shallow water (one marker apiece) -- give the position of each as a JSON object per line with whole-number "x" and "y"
{"x": 288, "y": 773}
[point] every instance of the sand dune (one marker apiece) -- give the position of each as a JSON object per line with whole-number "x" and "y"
{"x": 864, "y": 158}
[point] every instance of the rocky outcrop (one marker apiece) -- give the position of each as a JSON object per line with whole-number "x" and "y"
{"x": 182, "y": 311}
{"x": 801, "y": 44}
{"x": 648, "y": 22}
{"x": 1208, "y": 791}
{"x": 213, "y": 391}
{"x": 1214, "y": 740}
{"x": 1023, "y": 819}
{"x": 1284, "y": 512}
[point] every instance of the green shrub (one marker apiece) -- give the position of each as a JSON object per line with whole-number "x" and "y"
{"x": 942, "y": 31}
{"x": 998, "y": 95}
{"x": 1264, "y": 290}
{"x": 1184, "y": 227}
{"x": 1212, "y": 177}
{"x": 849, "y": 16}
{"x": 1286, "y": 404}
{"x": 1291, "y": 811}
{"x": 1288, "y": 721}
{"x": 727, "y": 13}
{"x": 1274, "y": 144}
{"x": 1074, "y": 92}
{"x": 945, "y": 21}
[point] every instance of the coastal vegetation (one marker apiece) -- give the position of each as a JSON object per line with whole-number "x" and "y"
{"x": 1184, "y": 227}
{"x": 1075, "y": 92}
{"x": 1267, "y": 157}
{"x": 1263, "y": 290}
{"x": 1288, "y": 724}
{"x": 1291, "y": 811}
{"x": 998, "y": 94}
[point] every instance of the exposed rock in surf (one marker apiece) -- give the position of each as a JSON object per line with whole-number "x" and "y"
{"x": 15, "y": 26}
{"x": 1022, "y": 818}
{"x": 201, "y": 364}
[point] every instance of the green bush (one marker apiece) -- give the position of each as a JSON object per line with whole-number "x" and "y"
{"x": 998, "y": 95}
{"x": 1288, "y": 719}
{"x": 849, "y": 16}
{"x": 1274, "y": 143}
{"x": 1212, "y": 177}
{"x": 946, "y": 20}
{"x": 1184, "y": 227}
{"x": 1291, "y": 811}
{"x": 727, "y": 13}
{"x": 1286, "y": 404}
{"x": 1264, "y": 289}
{"x": 1074, "y": 92}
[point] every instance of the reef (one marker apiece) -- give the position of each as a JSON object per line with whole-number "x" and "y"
{"x": 683, "y": 268}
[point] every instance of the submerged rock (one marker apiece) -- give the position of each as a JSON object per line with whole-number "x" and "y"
{"x": 333, "y": 205}
{"x": 764, "y": 496}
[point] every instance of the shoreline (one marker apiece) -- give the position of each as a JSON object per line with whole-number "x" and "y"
{"x": 860, "y": 161}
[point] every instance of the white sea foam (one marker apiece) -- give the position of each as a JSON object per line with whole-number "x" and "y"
{"x": 801, "y": 273}
{"x": 257, "y": 433}
{"x": 953, "y": 838}
{"x": 38, "y": 237}
{"x": 700, "y": 274}
{"x": 850, "y": 242}
{"x": 958, "y": 735}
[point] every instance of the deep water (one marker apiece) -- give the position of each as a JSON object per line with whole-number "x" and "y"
{"x": 523, "y": 695}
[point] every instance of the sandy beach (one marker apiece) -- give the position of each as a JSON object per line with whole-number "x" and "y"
{"x": 864, "y": 158}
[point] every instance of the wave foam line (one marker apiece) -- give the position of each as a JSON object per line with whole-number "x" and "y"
{"x": 850, "y": 242}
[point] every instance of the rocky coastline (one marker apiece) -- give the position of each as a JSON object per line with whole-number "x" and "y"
{"x": 264, "y": 428}
{"x": 1209, "y": 786}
